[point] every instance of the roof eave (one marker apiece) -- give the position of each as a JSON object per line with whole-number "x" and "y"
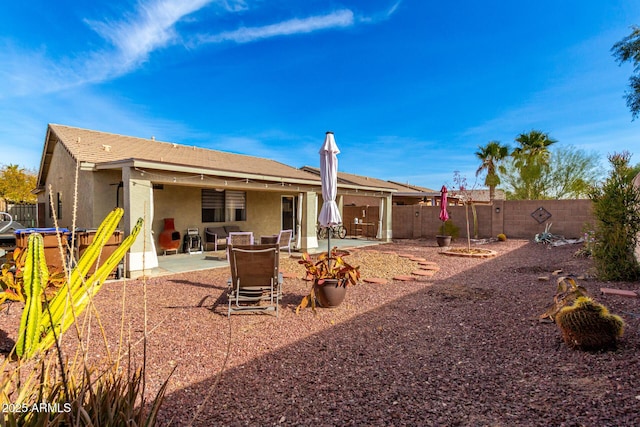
{"x": 145, "y": 164}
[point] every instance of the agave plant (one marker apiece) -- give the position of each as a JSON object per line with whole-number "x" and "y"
{"x": 41, "y": 326}
{"x": 567, "y": 292}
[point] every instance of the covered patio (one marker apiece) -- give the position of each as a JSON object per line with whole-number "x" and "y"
{"x": 182, "y": 263}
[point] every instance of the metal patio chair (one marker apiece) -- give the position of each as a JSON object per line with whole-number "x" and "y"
{"x": 255, "y": 284}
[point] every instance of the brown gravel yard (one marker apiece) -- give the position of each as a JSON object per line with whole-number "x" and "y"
{"x": 461, "y": 348}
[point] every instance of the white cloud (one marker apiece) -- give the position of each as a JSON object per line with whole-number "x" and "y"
{"x": 338, "y": 19}
{"x": 151, "y": 27}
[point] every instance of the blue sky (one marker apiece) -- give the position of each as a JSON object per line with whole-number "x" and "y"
{"x": 411, "y": 88}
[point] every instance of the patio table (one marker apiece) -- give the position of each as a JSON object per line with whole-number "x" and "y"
{"x": 270, "y": 239}
{"x": 360, "y": 229}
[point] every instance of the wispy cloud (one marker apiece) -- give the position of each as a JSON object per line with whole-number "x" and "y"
{"x": 338, "y": 19}
{"x": 133, "y": 37}
{"x": 151, "y": 27}
{"x": 381, "y": 16}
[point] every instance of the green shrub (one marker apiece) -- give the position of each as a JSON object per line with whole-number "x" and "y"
{"x": 448, "y": 228}
{"x": 616, "y": 208}
{"x": 502, "y": 237}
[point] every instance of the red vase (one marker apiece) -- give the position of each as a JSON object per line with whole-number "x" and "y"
{"x": 169, "y": 238}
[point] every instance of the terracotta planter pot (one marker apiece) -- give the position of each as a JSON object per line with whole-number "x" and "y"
{"x": 331, "y": 293}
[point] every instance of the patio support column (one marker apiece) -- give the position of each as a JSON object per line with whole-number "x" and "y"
{"x": 387, "y": 217}
{"x": 309, "y": 238}
{"x": 138, "y": 203}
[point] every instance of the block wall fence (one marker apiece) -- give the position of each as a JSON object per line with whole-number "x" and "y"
{"x": 521, "y": 219}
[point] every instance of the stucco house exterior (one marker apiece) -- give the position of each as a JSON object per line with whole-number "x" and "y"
{"x": 197, "y": 187}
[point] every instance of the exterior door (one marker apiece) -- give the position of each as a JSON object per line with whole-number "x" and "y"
{"x": 289, "y": 208}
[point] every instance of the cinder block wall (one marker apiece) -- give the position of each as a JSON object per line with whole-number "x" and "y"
{"x": 513, "y": 218}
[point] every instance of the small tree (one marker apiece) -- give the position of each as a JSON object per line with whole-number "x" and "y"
{"x": 616, "y": 207}
{"x": 16, "y": 184}
{"x": 628, "y": 49}
{"x": 464, "y": 193}
{"x": 569, "y": 175}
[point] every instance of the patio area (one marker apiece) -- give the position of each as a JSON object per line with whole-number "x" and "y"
{"x": 182, "y": 263}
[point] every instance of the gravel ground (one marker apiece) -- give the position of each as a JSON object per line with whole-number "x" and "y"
{"x": 463, "y": 347}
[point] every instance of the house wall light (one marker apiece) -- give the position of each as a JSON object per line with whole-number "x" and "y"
{"x": 417, "y": 213}
{"x": 497, "y": 209}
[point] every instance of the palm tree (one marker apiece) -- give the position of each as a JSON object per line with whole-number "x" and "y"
{"x": 531, "y": 158}
{"x": 533, "y": 146}
{"x": 491, "y": 155}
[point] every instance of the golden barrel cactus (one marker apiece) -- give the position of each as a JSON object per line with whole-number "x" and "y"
{"x": 588, "y": 325}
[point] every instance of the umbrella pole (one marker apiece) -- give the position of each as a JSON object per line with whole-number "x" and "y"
{"x": 329, "y": 247}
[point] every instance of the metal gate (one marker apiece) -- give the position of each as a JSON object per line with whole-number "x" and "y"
{"x": 24, "y": 213}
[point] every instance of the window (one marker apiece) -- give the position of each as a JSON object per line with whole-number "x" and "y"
{"x": 235, "y": 205}
{"x": 212, "y": 206}
{"x": 221, "y": 206}
{"x": 58, "y": 207}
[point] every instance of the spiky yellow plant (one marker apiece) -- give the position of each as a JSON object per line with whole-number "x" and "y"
{"x": 40, "y": 328}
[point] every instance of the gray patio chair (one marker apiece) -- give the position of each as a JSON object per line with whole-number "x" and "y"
{"x": 255, "y": 284}
{"x": 215, "y": 236}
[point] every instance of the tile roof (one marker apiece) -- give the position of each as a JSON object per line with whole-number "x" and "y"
{"x": 349, "y": 178}
{"x": 101, "y": 147}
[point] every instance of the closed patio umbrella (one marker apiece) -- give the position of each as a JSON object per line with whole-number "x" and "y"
{"x": 329, "y": 213}
{"x": 444, "y": 215}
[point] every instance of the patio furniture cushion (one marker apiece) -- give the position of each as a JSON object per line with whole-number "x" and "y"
{"x": 218, "y": 231}
{"x": 215, "y": 236}
{"x": 232, "y": 229}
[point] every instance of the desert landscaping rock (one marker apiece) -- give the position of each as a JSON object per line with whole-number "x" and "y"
{"x": 404, "y": 278}
{"x": 405, "y": 255}
{"x": 464, "y": 348}
{"x": 424, "y": 273}
{"x": 376, "y": 280}
{"x": 620, "y": 292}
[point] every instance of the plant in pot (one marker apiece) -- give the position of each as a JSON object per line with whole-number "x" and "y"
{"x": 331, "y": 275}
{"x": 447, "y": 232}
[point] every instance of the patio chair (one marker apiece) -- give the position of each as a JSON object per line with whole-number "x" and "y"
{"x": 240, "y": 238}
{"x": 236, "y": 238}
{"x": 284, "y": 240}
{"x": 255, "y": 284}
{"x": 215, "y": 236}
